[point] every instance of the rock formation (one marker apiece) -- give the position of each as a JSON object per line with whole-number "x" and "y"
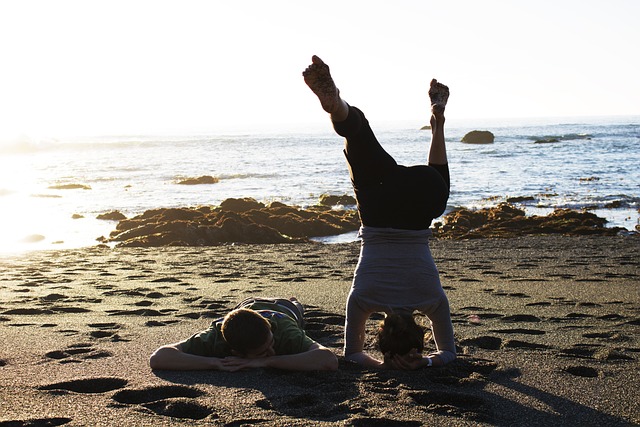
{"x": 111, "y": 216}
{"x": 331, "y": 200}
{"x": 234, "y": 221}
{"x": 249, "y": 221}
{"x": 205, "y": 179}
{"x": 478, "y": 137}
{"x": 506, "y": 220}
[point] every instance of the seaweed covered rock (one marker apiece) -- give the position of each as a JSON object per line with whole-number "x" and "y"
{"x": 333, "y": 200}
{"x": 241, "y": 205}
{"x": 234, "y": 221}
{"x": 506, "y": 220}
{"x": 111, "y": 216}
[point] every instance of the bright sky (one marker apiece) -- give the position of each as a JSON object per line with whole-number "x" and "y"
{"x": 152, "y": 66}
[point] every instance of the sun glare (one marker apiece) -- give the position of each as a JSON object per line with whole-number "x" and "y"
{"x": 15, "y": 215}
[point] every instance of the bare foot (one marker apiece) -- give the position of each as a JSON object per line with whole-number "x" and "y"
{"x": 439, "y": 95}
{"x": 318, "y": 78}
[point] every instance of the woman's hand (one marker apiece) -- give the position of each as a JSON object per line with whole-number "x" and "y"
{"x": 408, "y": 362}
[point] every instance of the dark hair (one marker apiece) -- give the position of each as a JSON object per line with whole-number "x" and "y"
{"x": 399, "y": 333}
{"x": 245, "y": 330}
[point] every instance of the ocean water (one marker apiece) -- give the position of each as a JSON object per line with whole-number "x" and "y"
{"x": 593, "y": 163}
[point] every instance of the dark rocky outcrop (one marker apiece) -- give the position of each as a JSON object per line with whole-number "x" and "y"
{"x": 205, "y": 179}
{"x": 112, "y": 216}
{"x": 240, "y": 205}
{"x": 332, "y": 200}
{"x": 558, "y": 138}
{"x": 506, "y": 220}
{"x": 478, "y": 137}
{"x": 249, "y": 221}
{"x": 234, "y": 221}
{"x": 519, "y": 199}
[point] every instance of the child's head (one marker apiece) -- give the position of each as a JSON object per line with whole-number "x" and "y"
{"x": 399, "y": 333}
{"x": 248, "y": 333}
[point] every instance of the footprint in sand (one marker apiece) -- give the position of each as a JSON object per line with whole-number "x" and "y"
{"x": 106, "y": 330}
{"x": 538, "y": 304}
{"x": 87, "y": 385}
{"x": 166, "y": 280}
{"x": 76, "y": 353}
{"x": 36, "y": 422}
{"x": 108, "y": 325}
{"x": 485, "y": 342}
{"x": 152, "y": 323}
{"x": 306, "y": 405}
{"x": 492, "y": 273}
{"x": 180, "y": 408}
{"x": 588, "y": 304}
{"x": 156, "y": 295}
{"x": 141, "y": 312}
{"x": 521, "y": 318}
{"x": 171, "y": 401}
{"x": 207, "y": 309}
{"x": 460, "y": 405}
{"x": 616, "y": 355}
{"x": 152, "y": 394}
{"x": 28, "y": 311}
{"x": 124, "y": 292}
{"x": 524, "y": 345}
{"x": 59, "y": 309}
{"x": 143, "y": 303}
{"x": 580, "y": 351}
{"x": 213, "y": 304}
{"x": 53, "y": 297}
{"x": 192, "y": 315}
{"x": 486, "y": 316}
{"x": 137, "y": 277}
{"x": 608, "y": 336}
{"x": 582, "y": 371}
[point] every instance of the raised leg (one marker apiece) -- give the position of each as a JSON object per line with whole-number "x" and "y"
{"x": 439, "y": 95}
{"x": 318, "y": 78}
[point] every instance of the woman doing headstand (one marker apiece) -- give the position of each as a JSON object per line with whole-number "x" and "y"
{"x": 396, "y": 273}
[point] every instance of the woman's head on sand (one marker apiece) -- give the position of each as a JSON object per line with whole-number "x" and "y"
{"x": 399, "y": 334}
{"x": 248, "y": 333}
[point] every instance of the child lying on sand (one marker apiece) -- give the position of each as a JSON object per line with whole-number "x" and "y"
{"x": 257, "y": 333}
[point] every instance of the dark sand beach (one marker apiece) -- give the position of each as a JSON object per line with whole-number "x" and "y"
{"x": 547, "y": 329}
